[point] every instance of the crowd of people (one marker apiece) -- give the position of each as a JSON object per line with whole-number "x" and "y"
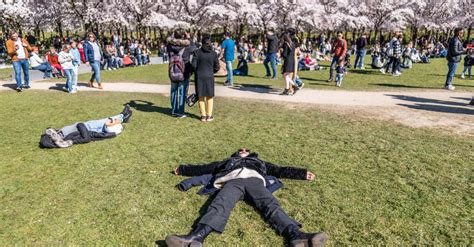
{"x": 63, "y": 57}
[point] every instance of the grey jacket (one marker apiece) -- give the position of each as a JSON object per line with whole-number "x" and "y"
{"x": 455, "y": 50}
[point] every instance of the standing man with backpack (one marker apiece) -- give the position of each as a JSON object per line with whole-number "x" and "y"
{"x": 228, "y": 48}
{"x": 180, "y": 49}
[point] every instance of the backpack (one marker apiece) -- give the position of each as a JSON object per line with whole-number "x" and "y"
{"x": 176, "y": 66}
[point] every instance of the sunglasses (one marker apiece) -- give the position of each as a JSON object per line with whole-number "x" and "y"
{"x": 244, "y": 150}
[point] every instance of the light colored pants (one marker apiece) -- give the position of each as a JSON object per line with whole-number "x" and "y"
{"x": 75, "y": 74}
{"x": 206, "y": 105}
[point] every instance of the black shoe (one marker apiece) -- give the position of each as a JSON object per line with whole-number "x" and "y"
{"x": 194, "y": 239}
{"x": 127, "y": 113}
{"x": 26, "y": 87}
{"x": 296, "y": 238}
{"x": 472, "y": 101}
{"x": 285, "y": 92}
{"x": 329, "y": 80}
{"x": 19, "y": 89}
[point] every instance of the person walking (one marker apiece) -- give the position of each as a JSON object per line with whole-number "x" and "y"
{"x": 455, "y": 50}
{"x": 289, "y": 62}
{"x": 361, "y": 43}
{"x": 66, "y": 60}
{"x": 18, "y": 49}
{"x": 76, "y": 63}
{"x": 339, "y": 50}
{"x": 93, "y": 56}
{"x": 394, "y": 53}
{"x": 270, "y": 54}
{"x": 228, "y": 49}
{"x": 205, "y": 63}
{"x": 180, "y": 70}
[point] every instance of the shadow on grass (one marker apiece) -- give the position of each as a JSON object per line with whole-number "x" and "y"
{"x": 11, "y": 86}
{"x": 402, "y": 86}
{"x": 257, "y": 88}
{"x": 365, "y": 72}
{"x": 425, "y": 100}
{"x": 440, "y": 108}
{"x": 146, "y": 106}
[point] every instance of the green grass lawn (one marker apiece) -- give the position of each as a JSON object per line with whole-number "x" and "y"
{"x": 6, "y": 74}
{"x": 377, "y": 183}
{"x": 422, "y": 76}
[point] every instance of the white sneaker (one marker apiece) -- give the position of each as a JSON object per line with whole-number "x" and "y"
{"x": 397, "y": 74}
{"x": 382, "y": 71}
{"x": 462, "y": 76}
{"x": 450, "y": 88}
{"x": 73, "y": 92}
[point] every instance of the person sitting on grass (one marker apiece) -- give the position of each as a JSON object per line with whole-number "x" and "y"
{"x": 240, "y": 176}
{"x": 242, "y": 67}
{"x": 84, "y": 132}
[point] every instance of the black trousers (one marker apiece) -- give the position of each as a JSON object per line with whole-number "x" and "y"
{"x": 253, "y": 190}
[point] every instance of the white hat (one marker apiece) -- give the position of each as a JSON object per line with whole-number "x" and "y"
{"x": 117, "y": 129}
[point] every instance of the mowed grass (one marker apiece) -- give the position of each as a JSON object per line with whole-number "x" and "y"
{"x": 6, "y": 74}
{"x": 421, "y": 76}
{"x": 377, "y": 183}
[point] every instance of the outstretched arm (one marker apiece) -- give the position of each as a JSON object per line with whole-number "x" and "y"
{"x": 289, "y": 172}
{"x": 196, "y": 170}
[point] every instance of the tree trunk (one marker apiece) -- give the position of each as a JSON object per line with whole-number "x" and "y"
{"x": 469, "y": 31}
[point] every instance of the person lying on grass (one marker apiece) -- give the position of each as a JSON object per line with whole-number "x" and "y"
{"x": 242, "y": 176}
{"x": 84, "y": 132}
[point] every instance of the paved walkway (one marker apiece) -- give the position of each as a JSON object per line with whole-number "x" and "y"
{"x": 436, "y": 108}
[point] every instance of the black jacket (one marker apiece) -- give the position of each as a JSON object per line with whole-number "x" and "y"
{"x": 272, "y": 44}
{"x": 205, "y": 63}
{"x": 175, "y": 46}
{"x": 361, "y": 43}
{"x": 288, "y": 55}
{"x": 222, "y": 168}
{"x": 272, "y": 184}
{"x": 455, "y": 50}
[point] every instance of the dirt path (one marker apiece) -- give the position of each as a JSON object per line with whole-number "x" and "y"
{"x": 434, "y": 109}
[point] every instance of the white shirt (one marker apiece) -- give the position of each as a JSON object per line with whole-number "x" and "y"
{"x": 65, "y": 59}
{"x": 20, "y": 52}
{"x": 35, "y": 60}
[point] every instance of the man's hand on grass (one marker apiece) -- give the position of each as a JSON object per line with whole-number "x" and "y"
{"x": 175, "y": 171}
{"x": 310, "y": 176}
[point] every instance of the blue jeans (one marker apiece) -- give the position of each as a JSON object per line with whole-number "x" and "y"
{"x": 359, "y": 62}
{"x": 230, "y": 78}
{"x": 95, "y": 71}
{"x": 45, "y": 68}
{"x": 18, "y": 66}
{"x": 332, "y": 67}
{"x": 99, "y": 125}
{"x": 451, "y": 72}
{"x": 270, "y": 58}
{"x": 68, "y": 73}
{"x": 179, "y": 92}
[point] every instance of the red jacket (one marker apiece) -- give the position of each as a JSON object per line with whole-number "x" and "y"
{"x": 339, "y": 48}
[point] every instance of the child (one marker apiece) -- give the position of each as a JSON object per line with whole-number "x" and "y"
{"x": 66, "y": 59}
{"x": 468, "y": 62}
{"x": 340, "y": 70}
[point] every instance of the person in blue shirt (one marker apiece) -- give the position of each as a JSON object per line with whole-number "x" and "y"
{"x": 228, "y": 48}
